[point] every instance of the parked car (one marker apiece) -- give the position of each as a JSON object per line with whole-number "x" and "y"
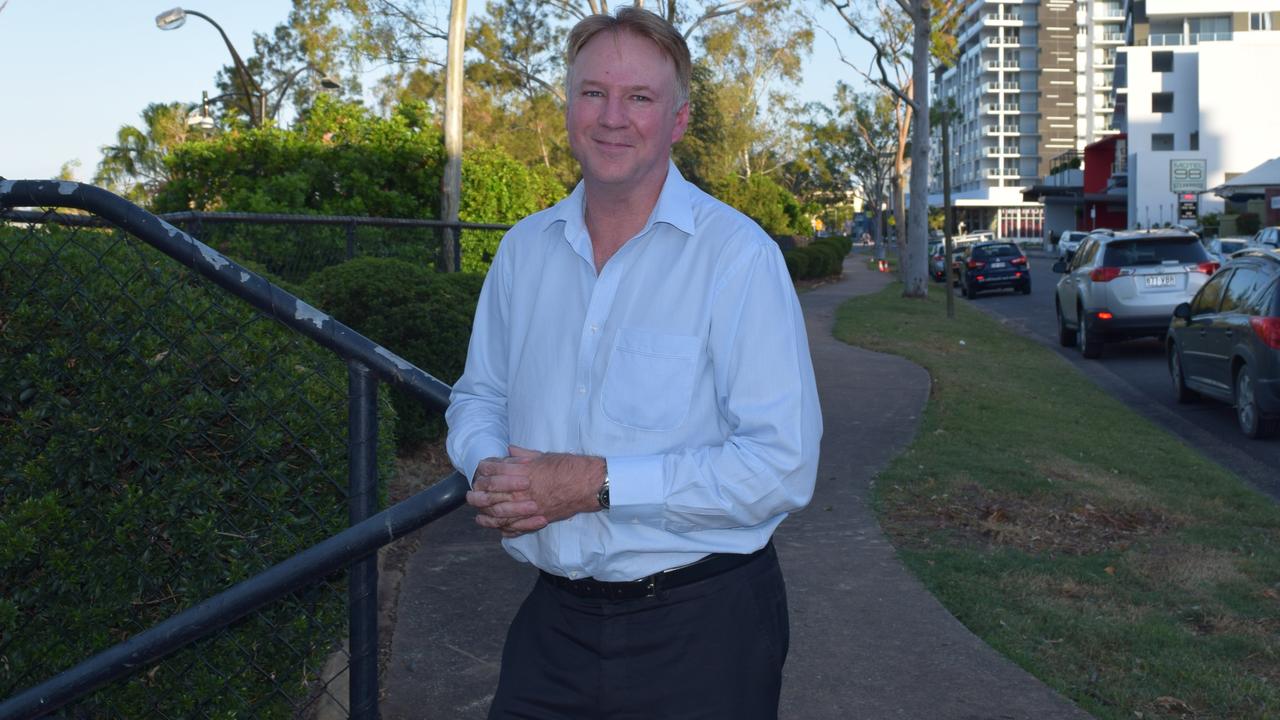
{"x": 1126, "y": 284}
{"x": 1069, "y": 242}
{"x": 1225, "y": 343}
{"x": 1267, "y": 237}
{"x": 991, "y": 266}
{"x": 937, "y": 260}
{"x": 1222, "y": 248}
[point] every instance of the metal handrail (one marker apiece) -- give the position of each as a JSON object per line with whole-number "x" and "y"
{"x": 352, "y": 547}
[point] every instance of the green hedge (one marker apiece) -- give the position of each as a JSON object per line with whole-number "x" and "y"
{"x": 159, "y": 442}
{"x": 343, "y": 159}
{"x": 819, "y": 259}
{"x": 423, "y": 316}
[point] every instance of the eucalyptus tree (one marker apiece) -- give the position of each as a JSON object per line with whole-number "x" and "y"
{"x": 904, "y": 34}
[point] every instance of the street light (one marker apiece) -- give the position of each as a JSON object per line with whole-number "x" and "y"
{"x": 177, "y": 17}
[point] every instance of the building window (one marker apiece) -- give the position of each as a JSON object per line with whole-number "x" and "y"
{"x": 1162, "y": 61}
{"x": 1259, "y": 21}
{"x": 1195, "y": 140}
{"x": 1162, "y": 141}
{"x": 1162, "y": 102}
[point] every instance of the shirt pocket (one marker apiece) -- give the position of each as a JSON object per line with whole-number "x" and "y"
{"x": 648, "y": 384}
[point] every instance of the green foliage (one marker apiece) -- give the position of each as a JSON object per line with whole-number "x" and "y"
{"x": 422, "y": 316}
{"x": 1248, "y": 223}
{"x": 497, "y": 189}
{"x": 342, "y": 160}
{"x": 159, "y": 442}
{"x": 819, "y": 259}
{"x": 765, "y": 201}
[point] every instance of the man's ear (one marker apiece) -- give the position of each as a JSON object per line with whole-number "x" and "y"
{"x": 682, "y": 123}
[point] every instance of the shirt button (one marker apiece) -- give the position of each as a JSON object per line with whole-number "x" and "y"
{"x": 595, "y": 328}
{"x": 573, "y": 576}
{"x": 582, "y": 389}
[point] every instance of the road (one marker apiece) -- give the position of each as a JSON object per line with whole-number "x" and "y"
{"x": 1135, "y": 373}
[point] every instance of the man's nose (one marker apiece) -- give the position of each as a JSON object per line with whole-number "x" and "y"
{"x": 614, "y": 113}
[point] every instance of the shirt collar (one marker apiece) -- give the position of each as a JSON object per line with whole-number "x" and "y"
{"x": 674, "y": 207}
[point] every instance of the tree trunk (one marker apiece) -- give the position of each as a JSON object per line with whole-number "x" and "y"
{"x": 451, "y": 180}
{"x": 947, "y": 211}
{"x": 915, "y": 264}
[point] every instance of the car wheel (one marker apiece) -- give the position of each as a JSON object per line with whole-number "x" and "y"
{"x": 1248, "y": 415}
{"x": 1026, "y": 288}
{"x": 970, "y": 291}
{"x": 1090, "y": 343}
{"x": 1066, "y": 335}
{"x": 964, "y": 287}
{"x": 1181, "y": 392}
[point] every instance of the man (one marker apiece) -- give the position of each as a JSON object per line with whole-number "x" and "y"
{"x": 638, "y": 414}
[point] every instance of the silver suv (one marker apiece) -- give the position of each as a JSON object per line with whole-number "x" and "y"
{"x": 1126, "y": 285}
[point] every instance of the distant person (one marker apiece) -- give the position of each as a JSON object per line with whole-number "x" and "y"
{"x": 638, "y": 414}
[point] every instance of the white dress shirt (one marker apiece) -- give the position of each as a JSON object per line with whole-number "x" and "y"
{"x": 684, "y": 364}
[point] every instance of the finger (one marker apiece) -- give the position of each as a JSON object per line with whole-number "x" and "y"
{"x": 519, "y": 452}
{"x": 504, "y": 483}
{"x": 514, "y": 509}
{"x": 527, "y": 524}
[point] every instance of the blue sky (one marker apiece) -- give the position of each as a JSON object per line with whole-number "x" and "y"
{"x": 79, "y": 69}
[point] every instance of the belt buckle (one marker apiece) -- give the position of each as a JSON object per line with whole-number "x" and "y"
{"x": 651, "y": 585}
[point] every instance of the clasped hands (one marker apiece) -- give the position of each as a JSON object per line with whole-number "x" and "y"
{"x": 527, "y": 490}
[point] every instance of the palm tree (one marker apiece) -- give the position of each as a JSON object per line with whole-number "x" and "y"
{"x": 134, "y": 166}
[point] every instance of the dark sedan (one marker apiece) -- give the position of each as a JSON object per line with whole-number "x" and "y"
{"x": 993, "y": 265}
{"x": 1225, "y": 343}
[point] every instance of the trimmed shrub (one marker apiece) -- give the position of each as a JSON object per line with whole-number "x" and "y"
{"x": 159, "y": 442}
{"x": 423, "y": 316}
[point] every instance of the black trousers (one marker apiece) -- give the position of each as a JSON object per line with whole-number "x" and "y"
{"x": 713, "y": 649}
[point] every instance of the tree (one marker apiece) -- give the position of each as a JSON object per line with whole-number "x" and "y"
{"x": 135, "y": 165}
{"x": 747, "y": 57}
{"x": 895, "y": 26}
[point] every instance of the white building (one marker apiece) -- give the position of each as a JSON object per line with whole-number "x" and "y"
{"x": 1197, "y": 100}
{"x": 1033, "y": 81}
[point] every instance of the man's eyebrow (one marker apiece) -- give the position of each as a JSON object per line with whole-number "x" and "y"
{"x": 630, "y": 88}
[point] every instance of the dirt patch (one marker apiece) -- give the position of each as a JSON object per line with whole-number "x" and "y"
{"x": 973, "y": 515}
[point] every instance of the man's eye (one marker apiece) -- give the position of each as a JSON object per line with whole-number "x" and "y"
{"x": 592, "y": 93}
{"x": 641, "y": 98}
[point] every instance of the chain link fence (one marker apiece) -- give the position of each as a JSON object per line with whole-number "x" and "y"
{"x": 161, "y": 440}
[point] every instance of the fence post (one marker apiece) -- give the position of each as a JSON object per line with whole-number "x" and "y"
{"x": 362, "y": 589}
{"x": 351, "y": 239}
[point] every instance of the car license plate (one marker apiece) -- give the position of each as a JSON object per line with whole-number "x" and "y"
{"x": 997, "y": 264}
{"x": 1160, "y": 281}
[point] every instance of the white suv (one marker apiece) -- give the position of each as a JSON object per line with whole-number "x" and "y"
{"x": 1126, "y": 285}
{"x": 1069, "y": 242}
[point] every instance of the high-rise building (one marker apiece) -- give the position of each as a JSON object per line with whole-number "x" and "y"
{"x": 1033, "y": 83}
{"x": 1195, "y": 100}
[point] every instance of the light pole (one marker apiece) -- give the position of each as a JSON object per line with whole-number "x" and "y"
{"x": 253, "y": 95}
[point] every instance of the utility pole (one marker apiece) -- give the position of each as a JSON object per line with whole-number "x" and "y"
{"x": 451, "y": 180}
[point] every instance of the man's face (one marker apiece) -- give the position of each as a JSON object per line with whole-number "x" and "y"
{"x": 622, "y": 117}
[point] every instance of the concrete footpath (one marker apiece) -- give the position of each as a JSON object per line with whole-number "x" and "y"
{"x": 867, "y": 640}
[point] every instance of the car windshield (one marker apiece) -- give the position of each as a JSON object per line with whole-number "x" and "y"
{"x": 1230, "y": 246}
{"x": 1154, "y": 251}
{"x": 996, "y": 251}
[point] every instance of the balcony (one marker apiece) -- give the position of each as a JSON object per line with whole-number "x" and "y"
{"x": 997, "y": 130}
{"x": 1108, "y": 14}
{"x": 1006, "y": 151}
{"x": 1003, "y": 108}
{"x": 1167, "y": 39}
{"x": 1110, "y": 38}
{"x": 1003, "y": 20}
{"x": 1002, "y": 41}
{"x": 1108, "y": 60}
{"x": 998, "y": 87}
{"x": 997, "y": 66}
{"x": 1002, "y": 173}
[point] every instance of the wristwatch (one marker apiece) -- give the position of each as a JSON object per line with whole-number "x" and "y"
{"x": 602, "y": 495}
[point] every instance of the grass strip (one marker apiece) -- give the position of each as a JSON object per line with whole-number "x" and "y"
{"x": 1071, "y": 534}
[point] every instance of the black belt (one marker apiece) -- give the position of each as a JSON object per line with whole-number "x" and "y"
{"x": 708, "y": 567}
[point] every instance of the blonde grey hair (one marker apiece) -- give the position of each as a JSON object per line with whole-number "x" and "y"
{"x": 643, "y": 23}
